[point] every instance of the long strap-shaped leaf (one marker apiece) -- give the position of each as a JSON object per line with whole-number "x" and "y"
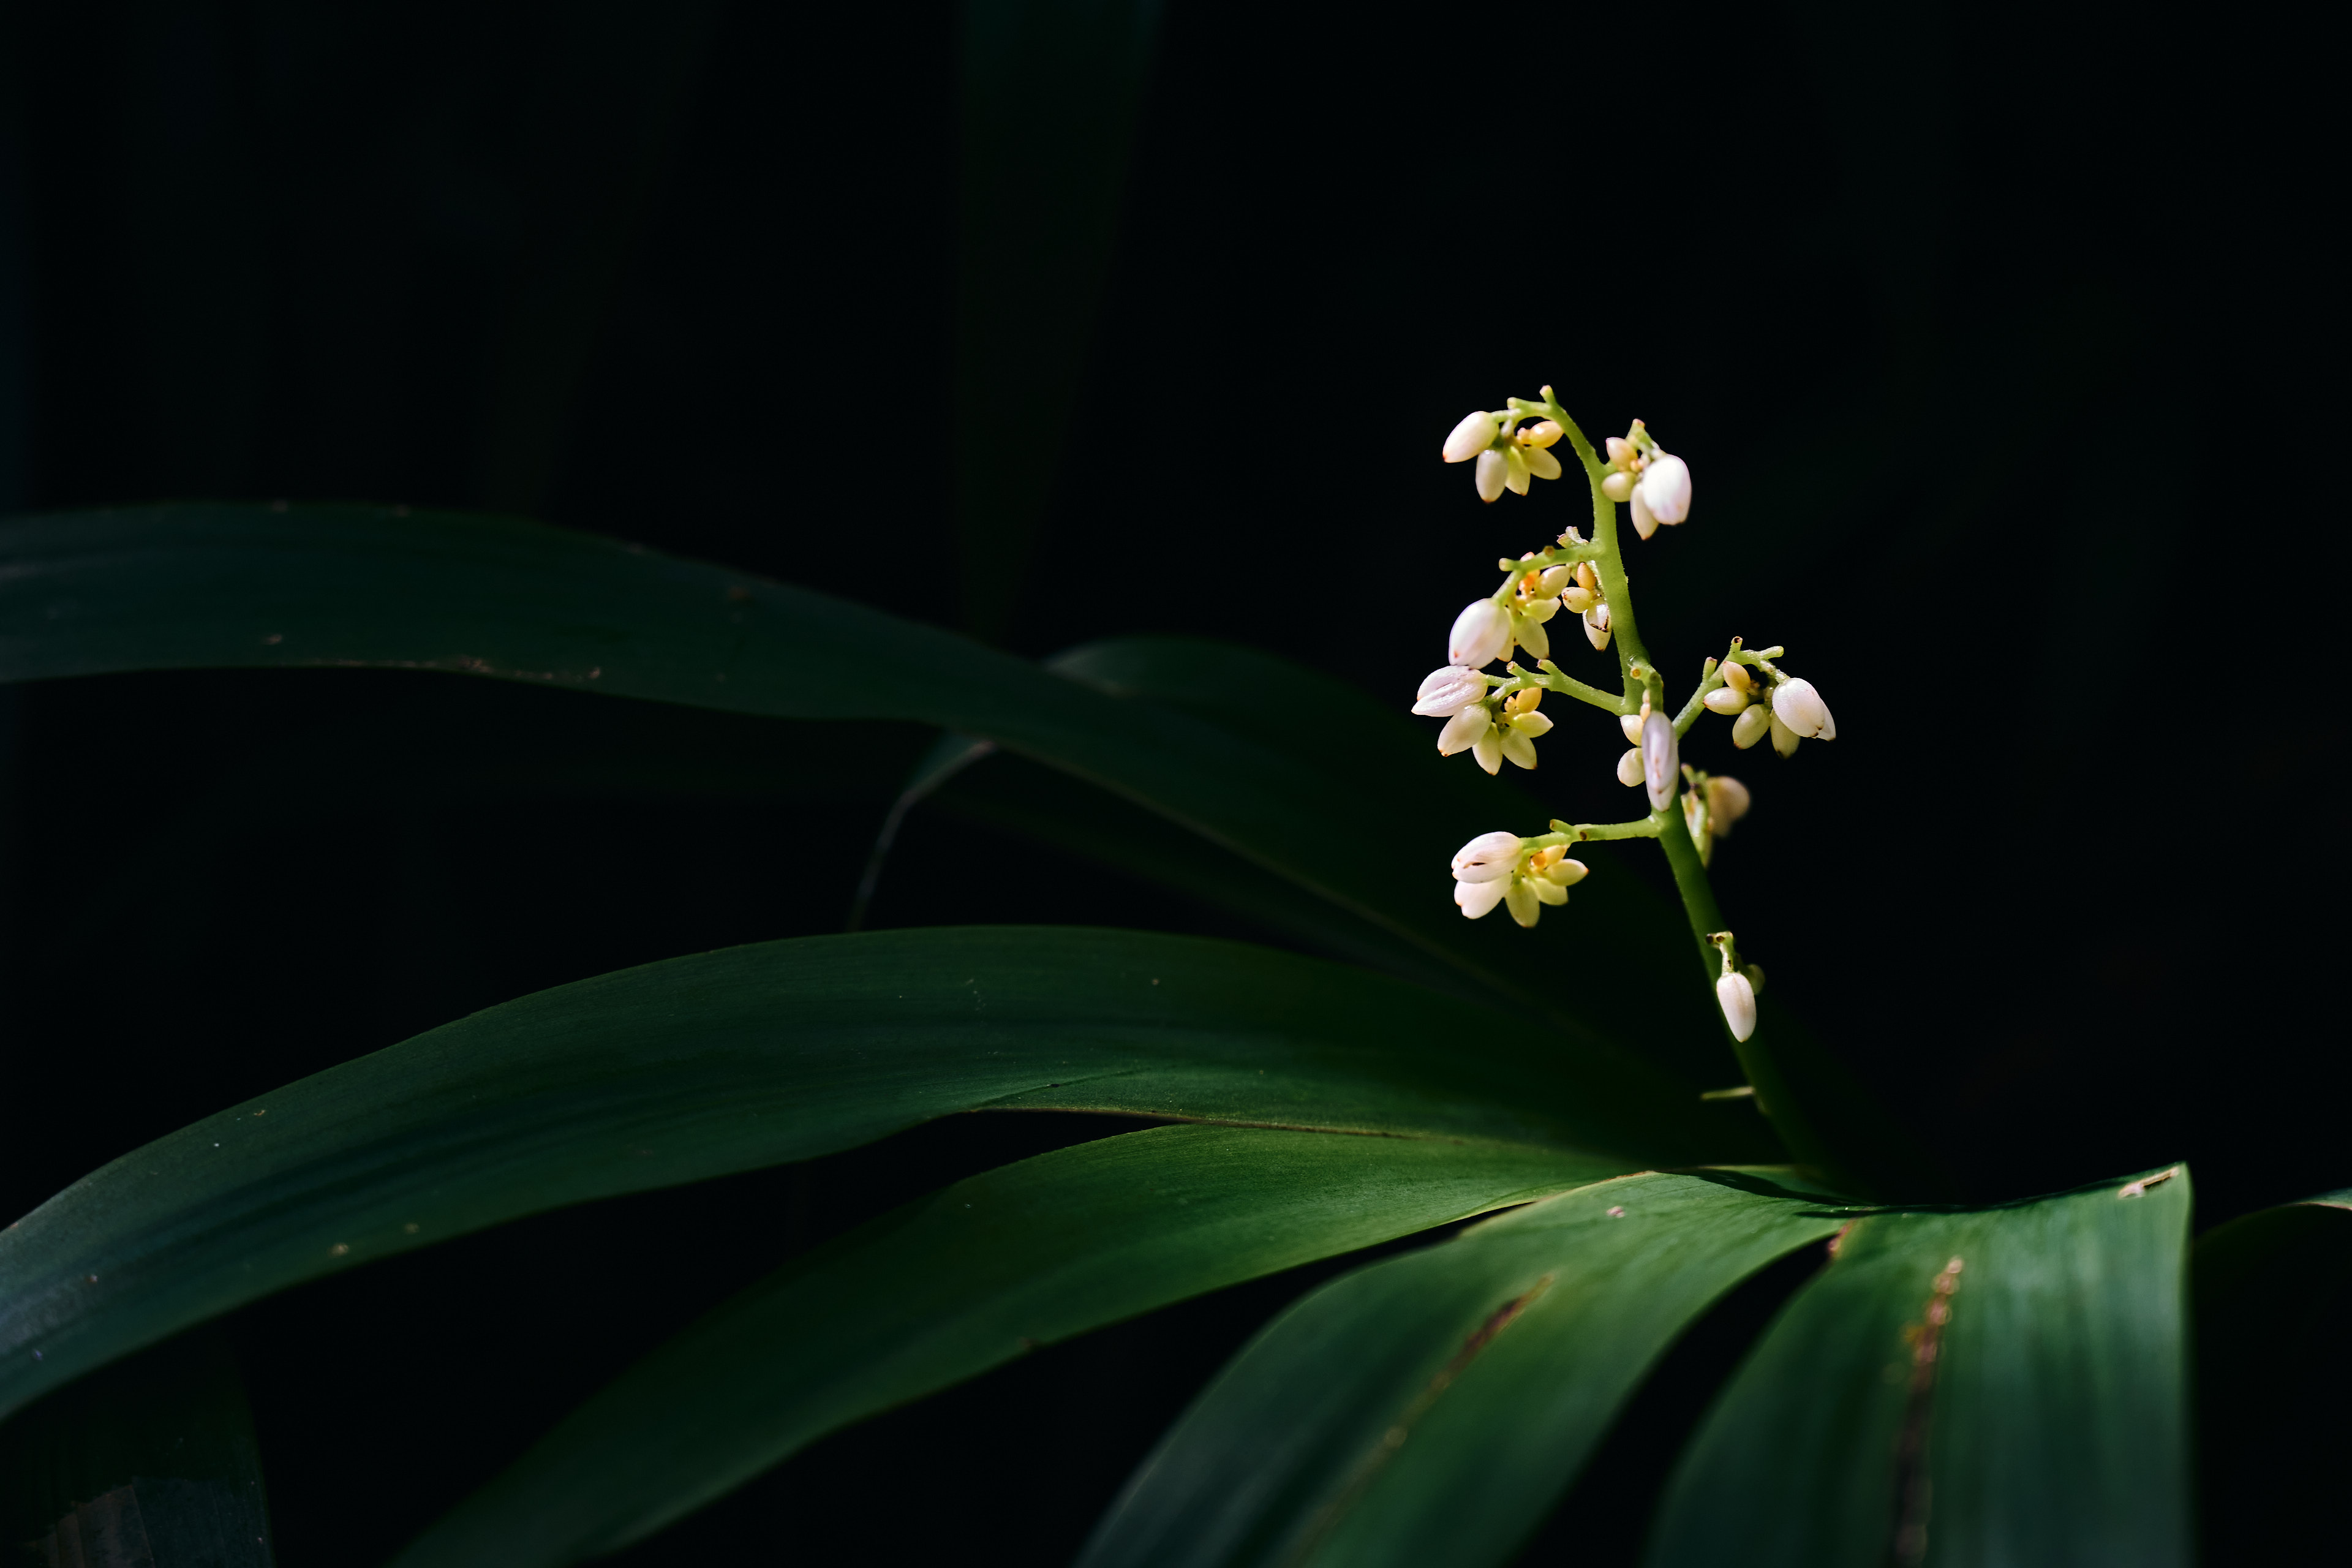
{"x": 1429, "y": 1408}
{"x": 246, "y": 586}
{"x": 1972, "y": 1389}
{"x": 697, "y": 1067}
{"x": 948, "y": 1287}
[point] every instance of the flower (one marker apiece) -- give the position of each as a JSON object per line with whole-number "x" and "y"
{"x": 1663, "y": 494}
{"x": 1472, "y": 436}
{"x": 1731, "y": 696}
{"x": 1661, "y": 759}
{"x": 1486, "y": 856}
{"x": 1481, "y": 633}
{"x": 1796, "y": 704}
{"x": 1750, "y": 727}
{"x": 1737, "y": 997}
{"x": 1446, "y": 692}
{"x": 1630, "y": 770}
{"x": 1727, "y": 802}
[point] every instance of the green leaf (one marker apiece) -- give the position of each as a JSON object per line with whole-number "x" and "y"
{"x": 1431, "y": 1408}
{"x": 2043, "y": 1423}
{"x": 244, "y": 587}
{"x": 2272, "y": 1291}
{"x": 950, "y": 1286}
{"x": 758, "y": 1055}
{"x": 150, "y": 1463}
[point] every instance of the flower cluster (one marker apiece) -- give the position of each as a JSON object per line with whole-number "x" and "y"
{"x": 1657, "y": 482}
{"x": 1504, "y": 869}
{"x": 1712, "y": 804}
{"x": 1508, "y": 457}
{"x": 1786, "y": 707}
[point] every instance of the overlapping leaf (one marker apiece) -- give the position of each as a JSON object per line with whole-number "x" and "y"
{"x": 1431, "y": 1408}
{"x": 1971, "y": 1387}
{"x": 753, "y": 1056}
{"x": 949, "y": 1286}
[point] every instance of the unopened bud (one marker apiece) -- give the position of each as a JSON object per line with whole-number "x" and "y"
{"x": 1515, "y": 469}
{"x": 1518, "y": 745}
{"x": 1629, "y": 768}
{"x": 1461, "y": 731}
{"x": 1472, "y": 436}
{"x": 1643, "y": 523}
{"x": 1566, "y": 873}
{"x": 1665, "y": 488}
{"x": 1661, "y": 759}
{"x": 1542, "y": 433}
{"x": 1540, "y": 463}
{"x": 1554, "y": 582}
{"x": 1621, "y": 453}
{"x": 1486, "y": 858}
{"x": 1750, "y": 727}
{"x": 1726, "y": 701}
{"x": 1532, "y": 725}
{"x": 1486, "y": 751}
{"x": 1800, "y": 707}
{"x": 1785, "y": 741}
{"x": 1577, "y": 600}
{"x": 1541, "y": 610}
{"x": 1736, "y": 675}
{"x": 1481, "y": 632}
{"x": 1443, "y": 691}
{"x": 1521, "y": 900}
{"x": 1526, "y": 702}
{"x": 1737, "y": 999}
{"x": 1528, "y": 633}
{"x": 1617, "y": 486}
{"x": 1588, "y": 576}
{"x": 1727, "y": 800}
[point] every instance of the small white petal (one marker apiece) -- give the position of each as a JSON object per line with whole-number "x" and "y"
{"x": 1785, "y": 741}
{"x": 1531, "y": 723}
{"x": 1750, "y": 727}
{"x": 1661, "y": 760}
{"x": 1724, "y": 699}
{"x": 1629, "y": 768}
{"x": 1548, "y": 891}
{"x": 1567, "y": 873}
{"x": 1476, "y": 899}
{"x": 1472, "y": 436}
{"x": 1519, "y": 749}
{"x": 1521, "y": 900}
{"x": 1486, "y": 856}
{"x": 1737, "y": 999}
{"x": 1481, "y": 632}
{"x": 1643, "y": 523}
{"x": 1665, "y": 488}
{"x": 1541, "y": 610}
{"x": 1446, "y": 691}
{"x": 1488, "y": 750}
{"x": 1491, "y": 474}
{"x": 1529, "y": 634}
{"x": 1540, "y": 463}
{"x": 1462, "y": 731}
{"x": 1796, "y": 704}
{"x": 1514, "y": 465}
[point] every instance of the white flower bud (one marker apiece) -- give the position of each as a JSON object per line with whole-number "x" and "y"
{"x": 1548, "y": 892}
{"x": 1785, "y": 741}
{"x": 1737, "y": 999}
{"x": 1476, "y": 899}
{"x": 1541, "y": 610}
{"x": 1445, "y": 691}
{"x": 1577, "y": 600}
{"x": 1666, "y": 487}
{"x": 1462, "y": 731}
{"x": 1750, "y": 727}
{"x": 1727, "y": 800}
{"x": 1531, "y": 724}
{"x": 1481, "y": 632}
{"x": 1661, "y": 760}
{"x": 1724, "y": 699}
{"x": 1629, "y": 768}
{"x": 1566, "y": 873}
{"x": 1643, "y": 523}
{"x": 1540, "y": 463}
{"x": 1542, "y": 433}
{"x": 1736, "y": 675}
{"x": 1472, "y": 436}
{"x": 1632, "y": 725}
{"x": 1515, "y": 468}
{"x": 1796, "y": 704}
{"x": 1487, "y": 856}
{"x": 1617, "y": 486}
{"x": 1488, "y": 750}
{"x": 1596, "y": 627}
{"x": 1521, "y": 898}
{"x": 1519, "y": 749}
{"x": 1529, "y": 634}
{"x": 1493, "y": 473}
{"x": 1554, "y": 582}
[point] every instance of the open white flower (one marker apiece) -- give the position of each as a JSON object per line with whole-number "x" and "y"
{"x": 1481, "y": 633}
{"x": 1523, "y": 884}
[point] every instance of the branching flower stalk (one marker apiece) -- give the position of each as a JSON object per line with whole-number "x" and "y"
{"x": 1498, "y": 717}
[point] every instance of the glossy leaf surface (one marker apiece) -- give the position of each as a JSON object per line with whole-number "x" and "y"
{"x": 2029, "y": 1408}
{"x": 758, "y": 1055}
{"x": 948, "y": 1287}
{"x": 1431, "y": 1408}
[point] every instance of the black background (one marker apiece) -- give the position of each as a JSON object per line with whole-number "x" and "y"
{"x": 1995, "y": 337}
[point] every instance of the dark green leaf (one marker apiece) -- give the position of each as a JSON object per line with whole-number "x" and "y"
{"x": 2042, "y": 1422}
{"x": 758, "y": 1055}
{"x": 1429, "y": 1408}
{"x": 948, "y": 1287}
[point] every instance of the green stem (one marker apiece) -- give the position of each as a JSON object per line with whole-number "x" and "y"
{"x": 1773, "y": 1095}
